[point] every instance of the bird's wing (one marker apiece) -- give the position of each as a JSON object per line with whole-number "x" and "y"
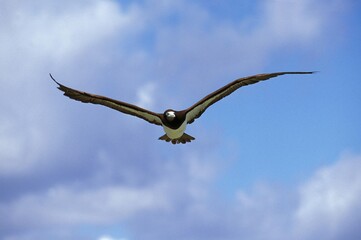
{"x": 198, "y": 108}
{"x": 123, "y": 107}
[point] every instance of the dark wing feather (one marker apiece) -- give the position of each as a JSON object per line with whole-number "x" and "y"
{"x": 123, "y": 107}
{"x": 198, "y": 108}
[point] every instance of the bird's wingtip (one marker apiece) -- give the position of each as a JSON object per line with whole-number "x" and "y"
{"x": 308, "y": 72}
{"x": 51, "y": 76}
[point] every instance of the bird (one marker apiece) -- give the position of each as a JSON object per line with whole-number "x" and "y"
{"x": 173, "y": 122}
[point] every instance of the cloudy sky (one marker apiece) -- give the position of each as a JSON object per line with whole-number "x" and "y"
{"x": 276, "y": 160}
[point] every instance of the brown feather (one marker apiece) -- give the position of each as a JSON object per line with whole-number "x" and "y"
{"x": 196, "y": 110}
{"x": 123, "y": 107}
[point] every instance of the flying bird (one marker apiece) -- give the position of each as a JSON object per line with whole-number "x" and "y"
{"x": 173, "y": 122}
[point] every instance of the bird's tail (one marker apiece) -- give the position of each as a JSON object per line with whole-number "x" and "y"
{"x": 183, "y": 139}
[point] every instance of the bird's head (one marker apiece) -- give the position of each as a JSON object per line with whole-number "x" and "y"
{"x": 169, "y": 115}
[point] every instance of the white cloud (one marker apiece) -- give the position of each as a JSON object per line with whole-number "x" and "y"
{"x": 150, "y": 185}
{"x": 146, "y": 95}
{"x": 31, "y": 39}
{"x": 19, "y": 150}
{"x": 196, "y": 49}
{"x": 325, "y": 206}
{"x": 60, "y": 34}
{"x": 330, "y": 201}
{"x": 107, "y": 237}
{"x": 203, "y": 50}
{"x": 302, "y": 23}
{"x": 66, "y": 206}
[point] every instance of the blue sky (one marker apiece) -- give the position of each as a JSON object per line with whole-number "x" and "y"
{"x": 276, "y": 160}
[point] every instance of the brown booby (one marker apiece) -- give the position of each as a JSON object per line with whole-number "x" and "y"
{"x": 173, "y": 122}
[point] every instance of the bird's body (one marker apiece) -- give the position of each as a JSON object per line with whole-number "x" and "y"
{"x": 175, "y": 133}
{"x": 173, "y": 122}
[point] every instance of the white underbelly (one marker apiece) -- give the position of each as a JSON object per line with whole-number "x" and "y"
{"x": 175, "y": 133}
